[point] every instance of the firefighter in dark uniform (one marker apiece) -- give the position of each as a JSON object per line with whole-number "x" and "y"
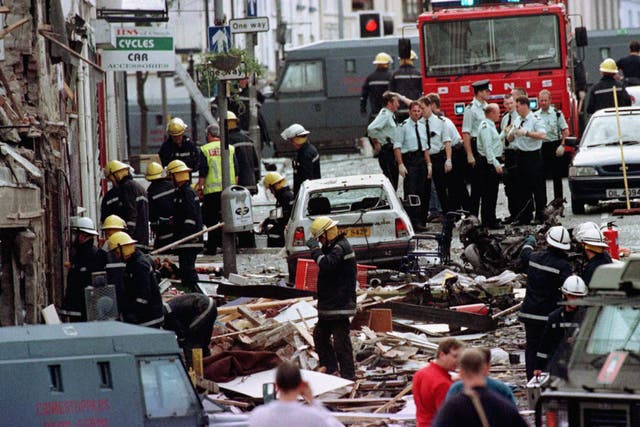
{"x": 187, "y": 220}
{"x": 562, "y": 324}
{"x": 601, "y": 94}
{"x": 241, "y": 108}
{"x": 336, "y": 296}
{"x": 179, "y": 147}
{"x": 248, "y": 171}
{"x": 375, "y": 85}
{"x": 277, "y": 185}
{"x": 114, "y": 267}
{"x": 383, "y": 131}
{"x": 594, "y": 247}
{"x": 407, "y": 81}
{"x": 191, "y": 317}
{"x": 473, "y": 115}
{"x": 411, "y": 150}
{"x": 84, "y": 261}
{"x": 142, "y": 302}
{"x": 160, "y": 197}
{"x": 546, "y": 272}
{"x": 307, "y": 163}
{"x": 111, "y": 204}
{"x": 135, "y": 206}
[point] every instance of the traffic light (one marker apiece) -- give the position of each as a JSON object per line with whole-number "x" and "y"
{"x": 370, "y": 25}
{"x": 374, "y": 25}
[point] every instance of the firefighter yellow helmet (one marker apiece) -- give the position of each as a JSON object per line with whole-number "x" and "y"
{"x": 383, "y": 58}
{"x": 114, "y": 222}
{"x": 176, "y": 127}
{"x": 608, "y": 66}
{"x": 154, "y": 171}
{"x": 176, "y": 166}
{"x": 231, "y": 115}
{"x": 322, "y": 224}
{"x": 114, "y": 166}
{"x": 179, "y": 171}
{"x": 271, "y": 179}
{"x": 123, "y": 242}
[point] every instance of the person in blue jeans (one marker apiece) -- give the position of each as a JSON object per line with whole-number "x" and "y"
{"x": 493, "y": 385}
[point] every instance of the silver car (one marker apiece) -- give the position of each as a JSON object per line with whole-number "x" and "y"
{"x": 596, "y": 171}
{"x": 367, "y": 210}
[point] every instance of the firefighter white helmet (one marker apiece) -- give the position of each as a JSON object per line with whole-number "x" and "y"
{"x": 593, "y": 237}
{"x": 574, "y": 285}
{"x": 293, "y": 131}
{"x": 558, "y": 237}
{"x": 84, "y": 225}
{"x": 580, "y": 230}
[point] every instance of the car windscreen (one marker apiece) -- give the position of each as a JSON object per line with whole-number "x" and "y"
{"x": 603, "y": 130}
{"x": 477, "y": 45}
{"x": 351, "y": 199}
{"x": 616, "y": 328}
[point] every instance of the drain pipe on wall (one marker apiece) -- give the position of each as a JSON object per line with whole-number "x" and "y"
{"x": 88, "y": 153}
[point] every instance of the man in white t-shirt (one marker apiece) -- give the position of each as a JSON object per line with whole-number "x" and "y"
{"x": 288, "y": 409}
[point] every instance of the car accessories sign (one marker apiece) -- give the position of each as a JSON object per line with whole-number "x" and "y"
{"x": 140, "y": 49}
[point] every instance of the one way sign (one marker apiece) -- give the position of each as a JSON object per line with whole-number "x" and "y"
{"x": 219, "y": 39}
{"x": 249, "y": 25}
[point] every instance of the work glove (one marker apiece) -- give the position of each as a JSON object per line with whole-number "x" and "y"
{"x": 471, "y": 160}
{"x": 560, "y": 150}
{"x": 429, "y": 170}
{"x": 403, "y": 171}
{"x": 521, "y": 132}
{"x": 312, "y": 243}
{"x": 448, "y": 166}
{"x": 530, "y": 240}
{"x": 363, "y": 111}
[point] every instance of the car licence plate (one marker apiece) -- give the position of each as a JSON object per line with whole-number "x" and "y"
{"x": 364, "y": 231}
{"x": 614, "y": 193}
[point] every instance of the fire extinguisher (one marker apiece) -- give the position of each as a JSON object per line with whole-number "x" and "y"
{"x": 611, "y": 234}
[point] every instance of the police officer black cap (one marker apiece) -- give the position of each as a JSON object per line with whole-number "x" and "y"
{"x": 480, "y": 85}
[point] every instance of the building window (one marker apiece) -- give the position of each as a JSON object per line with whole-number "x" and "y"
{"x": 357, "y": 5}
{"x": 411, "y": 9}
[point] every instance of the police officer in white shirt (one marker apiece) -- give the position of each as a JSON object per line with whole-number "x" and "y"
{"x": 490, "y": 164}
{"x": 553, "y": 146}
{"x": 439, "y": 151}
{"x": 411, "y": 150}
{"x": 458, "y": 194}
{"x": 473, "y": 115}
{"x": 526, "y": 138}
{"x": 510, "y": 165}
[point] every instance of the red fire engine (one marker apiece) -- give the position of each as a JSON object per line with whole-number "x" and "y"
{"x": 512, "y": 43}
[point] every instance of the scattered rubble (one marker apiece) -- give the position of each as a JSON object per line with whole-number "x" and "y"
{"x": 396, "y": 331}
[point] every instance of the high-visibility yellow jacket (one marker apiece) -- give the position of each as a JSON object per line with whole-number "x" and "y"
{"x": 212, "y": 170}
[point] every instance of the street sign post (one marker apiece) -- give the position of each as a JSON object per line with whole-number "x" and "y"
{"x": 219, "y": 39}
{"x": 252, "y": 8}
{"x": 249, "y": 25}
{"x": 140, "y": 49}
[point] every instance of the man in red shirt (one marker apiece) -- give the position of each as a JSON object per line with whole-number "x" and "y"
{"x": 431, "y": 383}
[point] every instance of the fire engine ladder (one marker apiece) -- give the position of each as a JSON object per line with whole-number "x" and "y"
{"x": 201, "y": 103}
